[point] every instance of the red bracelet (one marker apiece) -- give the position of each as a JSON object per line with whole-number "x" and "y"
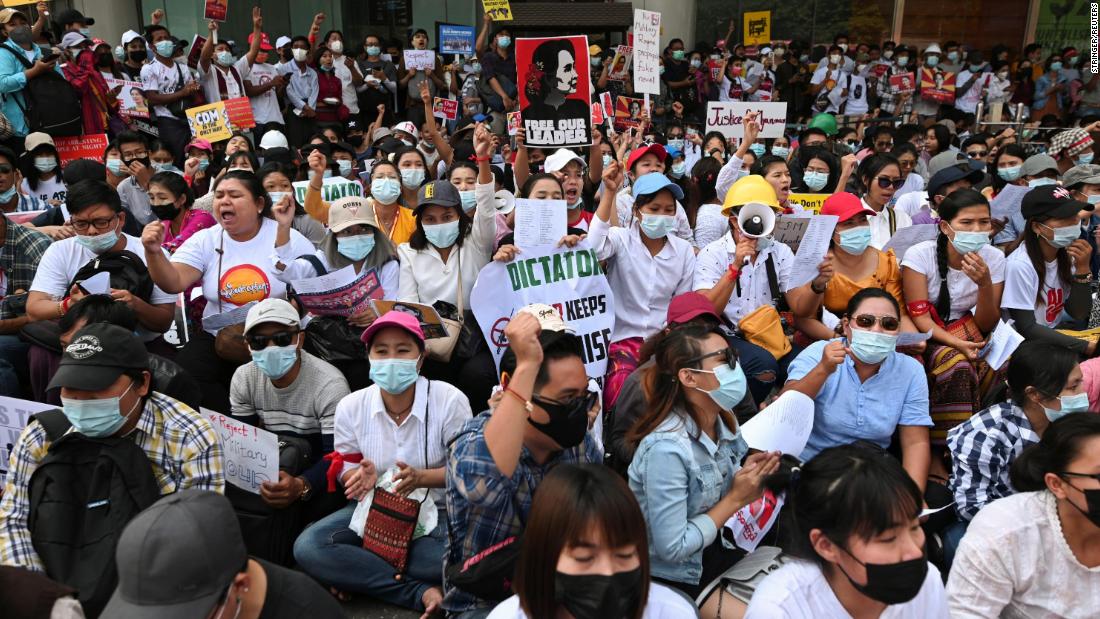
{"x": 734, "y": 272}
{"x": 480, "y": 159}
{"x": 522, "y": 400}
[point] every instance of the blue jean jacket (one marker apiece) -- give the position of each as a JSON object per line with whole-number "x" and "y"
{"x": 676, "y": 479}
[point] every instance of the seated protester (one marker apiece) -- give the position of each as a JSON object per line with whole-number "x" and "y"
{"x": 206, "y": 570}
{"x": 97, "y": 218}
{"x": 414, "y": 173}
{"x": 161, "y": 157}
{"x": 278, "y": 181}
{"x": 710, "y": 223}
{"x": 539, "y": 186}
{"x": 463, "y": 175}
{"x": 1031, "y": 554}
{"x": 646, "y": 266}
{"x": 858, "y": 547}
{"x": 739, "y": 274}
{"x": 643, "y": 160}
{"x": 232, "y": 260}
{"x": 862, "y": 388}
{"x": 686, "y": 470}
{"x": 55, "y": 221}
{"x": 774, "y": 170}
{"x": 172, "y": 203}
{"x": 951, "y": 171}
{"x": 21, "y": 251}
{"x": 105, "y": 391}
{"x": 196, "y": 166}
{"x": 908, "y": 156}
{"x": 448, "y": 240}
{"x": 496, "y": 464}
{"x": 344, "y": 156}
{"x": 822, "y": 171}
{"x": 133, "y": 191}
{"x": 402, "y": 424}
{"x": 585, "y": 553}
{"x": 395, "y": 221}
{"x": 953, "y": 287}
{"x": 1037, "y": 301}
{"x": 1006, "y": 168}
{"x": 879, "y": 177}
{"x": 41, "y": 168}
{"x": 11, "y": 200}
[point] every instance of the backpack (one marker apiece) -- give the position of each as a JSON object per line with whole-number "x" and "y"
{"x": 82, "y": 495}
{"x": 128, "y": 272}
{"x": 50, "y": 103}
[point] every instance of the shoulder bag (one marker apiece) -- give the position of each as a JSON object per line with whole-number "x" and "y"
{"x": 441, "y": 348}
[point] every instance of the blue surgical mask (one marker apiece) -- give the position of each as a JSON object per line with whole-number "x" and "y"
{"x": 385, "y": 190}
{"x": 504, "y": 41}
{"x": 677, "y": 143}
{"x": 225, "y": 58}
{"x": 442, "y": 235}
{"x": 394, "y": 376}
{"x": 607, "y": 159}
{"x": 204, "y": 165}
{"x": 872, "y": 346}
{"x": 1077, "y": 403}
{"x": 1042, "y": 180}
{"x": 87, "y": 32}
{"x": 275, "y": 361}
{"x": 6, "y": 196}
{"x": 1010, "y": 173}
{"x": 355, "y": 247}
{"x": 374, "y": 50}
{"x": 966, "y": 242}
{"x": 974, "y": 68}
{"x": 345, "y": 166}
{"x": 97, "y": 418}
{"x": 757, "y": 149}
{"x": 1084, "y": 159}
{"x": 115, "y": 166}
{"x": 475, "y": 67}
{"x": 120, "y": 54}
{"x": 1094, "y": 199}
{"x": 855, "y": 240}
{"x": 903, "y": 60}
{"x": 412, "y": 178}
{"x": 679, "y": 169}
{"x": 932, "y": 61}
{"x": 163, "y": 167}
{"x": 731, "y": 386}
{"x": 657, "y": 226}
{"x": 696, "y": 63}
{"x": 165, "y": 48}
{"x": 469, "y": 200}
{"x": 1056, "y": 66}
{"x": 276, "y": 196}
{"x": 781, "y": 151}
{"x": 99, "y": 243}
{"x": 1064, "y": 236}
{"x": 45, "y": 164}
{"x": 576, "y": 205}
{"x": 815, "y": 181}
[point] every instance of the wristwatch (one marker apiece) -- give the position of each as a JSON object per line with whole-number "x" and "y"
{"x": 1083, "y": 278}
{"x": 307, "y": 490}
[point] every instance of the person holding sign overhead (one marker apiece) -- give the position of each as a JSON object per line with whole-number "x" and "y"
{"x": 225, "y": 77}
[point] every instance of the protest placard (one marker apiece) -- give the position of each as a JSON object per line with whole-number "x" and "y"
{"x": 902, "y": 83}
{"x": 430, "y": 322}
{"x": 514, "y": 122}
{"x": 809, "y": 237}
{"x": 937, "y": 85}
{"x": 240, "y": 113}
{"x": 540, "y": 222}
{"x": 209, "y": 122}
{"x": 445, "y": 108}
{"x": 340, "y": 293}
{"x": 647, "y": 52}
{"x": 419, "y": 59}
{"x": 628, "y": 113}
{"x": 497, "y": 10}
{"x": 567, "y": 278}
{"x": 726, "y": 117}
{"x": 196, "y": 51}
{"x": 332, "y": 189}
{"x": 216, "y": 10}
{"x": 620, "y": 64}
{"x": 14, "y": 414}
{"x": 553, "y": 92}
{"x": 81, "y": 147}
{"x": 808, "y": 201}
{"x": 456, "y": 39}
{"x": 251, "y": 454}
{"x": 758, "y": 27}
{"x": 752, "y": 522}
{"x": 131, "y": 98}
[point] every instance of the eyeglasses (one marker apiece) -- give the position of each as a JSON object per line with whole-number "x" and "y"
{"x": 975, "y": 154}
{"x": 99, "y": 223}
{"x": 884, "y": 144}
{"x": 885, "y": 182}
{"x": 867, "y": 321}
{"x": 1095, "y": 476}
{"x": 576, "y": 405}
{"x": 727, "y": 354}
{"x": 6, "y": 169}
{"x": 283, "y": 338}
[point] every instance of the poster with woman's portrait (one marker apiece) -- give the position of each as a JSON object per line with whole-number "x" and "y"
{"x": 554, "y": 91}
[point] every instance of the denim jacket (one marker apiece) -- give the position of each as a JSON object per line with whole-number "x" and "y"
{"x": 676, "y": 479}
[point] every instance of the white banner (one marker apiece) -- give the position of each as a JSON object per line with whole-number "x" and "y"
{"x": 647, "y": 52}
{"x": 569, "y": 279}
{"x": 251, "y": 454}
{"x": 725, "y": 117}
{"x": 14, "y": 414}
{"x": 332, "y": 189}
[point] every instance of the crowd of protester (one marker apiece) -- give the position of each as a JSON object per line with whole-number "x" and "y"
{"x": 932, "y": 484}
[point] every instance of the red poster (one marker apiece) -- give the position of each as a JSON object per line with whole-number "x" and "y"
{"x": 936, "y": 85}
{"x": 880, "y": 69}
{"x": 216, "y": 9}
{"x": 902, "y": 83}
{"x": 81, "y": 147}
{"x": 240, "y": 113}
{"x": 195, "y": 51}
{"x": 628, "y": 113}
{"x": 445, "y": 108}
{"x": 554, "y": 91}
{"x": 597, "y": 114}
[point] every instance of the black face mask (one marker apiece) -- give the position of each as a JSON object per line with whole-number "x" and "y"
{"x": 568, "y": 421}
{"x": 355, "y": 140}
{"x": 143, "y": 161}
{"x": 138, "y": 56}
{"x": 588, "y": 596}
{"x": 891, "y": 583}
{"x": 168, "y": 210}
{"x": 1092, "y": 501}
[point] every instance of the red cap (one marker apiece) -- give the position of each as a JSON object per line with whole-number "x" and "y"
{"x": 690, "y": 305}
{"x": 638, "y": 153}
{"x": 844, "y": 205}
{"x": 394, "y": 318}
{"x": 265, "y": 43}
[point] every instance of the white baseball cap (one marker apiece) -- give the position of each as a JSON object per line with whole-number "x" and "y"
{"x": 281, "y": 41}
{"x": 277, "y": 311}
{"x": 408, "y": 128}
{"x": 561, "y": 158}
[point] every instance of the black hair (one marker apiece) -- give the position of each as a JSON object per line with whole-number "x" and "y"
{"x": 9, "y": 154}
{"x": 130, "y": 137}
{"x": 243, "y": 154}
{"x": 529, "y": 184}
{"x": 947, "y": 210}
{"x": 906, "y": 131}
{"x": 1014, "y": 150}
{"x": 943, "y": 137}
{"x": 760, "y": 167}
{"x": 89, "y": 193}
{"x": 149, "y": 30}
{"x": 870, "y": 167}
{"x": 176, "y": 185}
{"x": 469, "y": 165}
{"x": 805, "y": 155}
{"x": 903, "y": 148}
{"x": 252, "y": 184}
{"x": 808, "y": 131}
{"x": 704, "y": 185}
{"x": 715, "y": 135}
{"x": 31, "y": 173}
{"x": 977, "y": 138}
{"x": 1041, "y": 365}
{"x": 556, "y": 345}
{"x": 429, "y": 173}
{"x": 1060, "y": 444}
{"x": 870, "y": 293}
{"x": 96, "y": 308}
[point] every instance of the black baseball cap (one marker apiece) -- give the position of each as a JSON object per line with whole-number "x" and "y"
{"x": 98, "y": 354}
{"x": 73, "y": 16}
{"x": 1052, "y": 201}
{"x": 440, "y": 193}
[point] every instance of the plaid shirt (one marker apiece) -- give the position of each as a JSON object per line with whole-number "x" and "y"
{"x": 982, "y": 449}
{"x": 19, "y": 258}
{"x": 480, "y": 500}
{"x": 182, "y": 447}
{"x": 888, "y": 99}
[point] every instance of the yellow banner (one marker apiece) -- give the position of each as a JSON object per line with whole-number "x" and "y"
{"x": 17, "y": 2}
{"x": 497, "y": 10}
{"x": 758, "y": 27}
{"x": 209, "y": 122}
{"x": 809, "y": 201}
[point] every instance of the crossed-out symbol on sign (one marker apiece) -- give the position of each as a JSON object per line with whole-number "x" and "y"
{"x": 497, "y": 332}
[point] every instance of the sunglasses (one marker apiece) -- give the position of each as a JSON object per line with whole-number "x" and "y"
{"x": 885, "y": 182}
{"x": 576, "y": 406}
{"x": 6, "y": 169}
{"x": 728, "y": 355}
{"x": 974, "y": 154}
{"x": 867, "y": 321}
{"x": 283, "y": 338}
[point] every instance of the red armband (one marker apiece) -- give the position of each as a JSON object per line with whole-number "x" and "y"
{"x": 919, "y": 308}
{"x": 336, "y": 465}
{"x": 734, "y": 272}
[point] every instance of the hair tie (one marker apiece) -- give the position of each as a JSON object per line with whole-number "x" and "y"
{"x": 796, "y": 476}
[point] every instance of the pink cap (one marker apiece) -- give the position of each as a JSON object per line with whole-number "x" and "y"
{"x": 201, "y": 145}
{"x": 394, "y": 318}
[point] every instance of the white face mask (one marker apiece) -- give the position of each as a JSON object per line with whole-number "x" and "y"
{"x": 336, "y": 47}
{"x": 300, "y": 54}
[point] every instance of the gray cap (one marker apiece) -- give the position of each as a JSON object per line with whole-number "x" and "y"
{"x": 439, "y": 193}
{"x": 944, "y": 160}
{"x": 177, "y": 558}
{"x": 1037, "y": 164}
{"x": 1088, "y": 174}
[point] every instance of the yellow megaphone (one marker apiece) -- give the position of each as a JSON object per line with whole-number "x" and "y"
{"x": 756, "y": 220}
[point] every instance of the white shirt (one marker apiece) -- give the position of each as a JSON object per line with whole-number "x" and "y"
{"x": 624, "y": 209}
{"x": 710, "y": 224}
{"x": 824, "y": 74}
{"x": 880, "y": 224}
{"x": 799, "y": 590}
{"x": 643, "y": 284}
{"x": 363, "y": 427}
{"x": 857, "y": 95}
{"x": 713, "y": 264}
{"x": 913, "y": 183}
{"x": 350, "y": 97}
{"x": 425, "y": 278}
{"x": 968, "y": 101}
{"x": 1014, "y": 562}
{"x": 157, "y": 77}
{"x": 1022, "y": 284}
{"x": 52, "y": 190}
{"x": 963, "y": 291}
{"x": 388, "y": 275}
{"x": 233, "y": 89}
{"x": 265, "y": 107}
{"x": 663, "y": 603}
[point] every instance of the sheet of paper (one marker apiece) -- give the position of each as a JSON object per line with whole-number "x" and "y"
{"x": 540, "y": 222}
{"x": 930, "y": 511}
{"x": 784, "y": 425}
{"x": 14, "y": 414}
{"x": 220, "y": 321}
{"x": 812, "y": 248}
{"x": 1002, "y": 343}
{"x": 909, "y": 236}
{"x": 251, "y": 454}
{"x": 909, "y": 339}
{"x": 100, "y": 283}
{"x": 752, "y": 522}
{"x": 340, "y": 293}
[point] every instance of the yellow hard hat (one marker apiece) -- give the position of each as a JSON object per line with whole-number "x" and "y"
{"x": 750, "y": 189}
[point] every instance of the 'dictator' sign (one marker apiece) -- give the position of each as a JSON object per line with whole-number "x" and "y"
{"x": 727, "y": 117}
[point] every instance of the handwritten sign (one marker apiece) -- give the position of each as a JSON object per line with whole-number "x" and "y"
{"x": 332, "y": 189}
{"x": 455, "y": 39}
{"x": 209, "y": 122}
{"x": 419, "y": 59}
{"x": 14, "y": 414}
{"x": 497, "y": 10}
{"x": 758, "y": 27}
{"x": 445, "y": 108}
{"x": 726, "y": 117}
{"x": 808, "y": 201}
{"x": 251, "y": 454}
{"x": 81, "y": 147}
{"x": 647, "y": 43}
